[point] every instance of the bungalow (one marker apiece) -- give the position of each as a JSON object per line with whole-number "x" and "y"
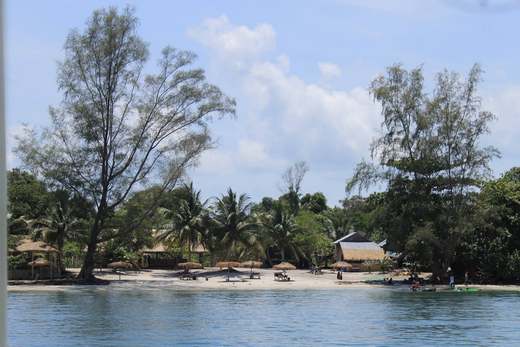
{"x": 359, "y": 251}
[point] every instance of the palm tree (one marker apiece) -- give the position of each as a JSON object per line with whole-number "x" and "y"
{"x": 187, "y": 219}
{"x": 234, "y": 224}
{"x": 61, "y": 223}
{"x": 281, "y": 231}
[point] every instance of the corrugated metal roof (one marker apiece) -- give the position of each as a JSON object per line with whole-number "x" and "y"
{"x": 352, "y": 237}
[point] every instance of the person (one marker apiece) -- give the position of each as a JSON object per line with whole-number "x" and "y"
{"x": 466, "y": 278}
{"x": 390, "y": 281}
{"x": 339, "y": 276}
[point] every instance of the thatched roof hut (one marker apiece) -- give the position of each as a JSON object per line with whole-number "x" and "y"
{"x": 159, "y": 247}
{"x": 198, "y": 248}
{"x": 284, "y": 266}
{"x": 356, "y": 248}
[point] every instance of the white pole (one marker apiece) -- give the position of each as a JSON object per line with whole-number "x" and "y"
{"x": 3, "y": 193}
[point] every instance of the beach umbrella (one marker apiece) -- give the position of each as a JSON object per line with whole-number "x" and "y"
{"x": 30, "y": 246}
{"x": 284, "y": 266}
{"x": 342, "y": 265}
{"x": 190, "y": 265}
{"x": 228, "y": 264}
{"x": 120, "y": 265}
{"x": 251, "y": 264}
{"x": 40, "y": 262}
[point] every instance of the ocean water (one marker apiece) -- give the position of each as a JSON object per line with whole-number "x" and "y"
{"x": 158, "y": 315}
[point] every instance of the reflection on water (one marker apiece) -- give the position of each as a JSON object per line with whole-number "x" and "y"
{"x": 125, "y": 315}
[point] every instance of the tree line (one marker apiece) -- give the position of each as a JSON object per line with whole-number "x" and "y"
{"x": 110, "y": 169}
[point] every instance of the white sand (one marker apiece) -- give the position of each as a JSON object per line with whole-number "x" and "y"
{"x": 300, "y": 280}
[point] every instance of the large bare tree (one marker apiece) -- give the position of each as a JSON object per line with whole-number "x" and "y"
{"x": 117, "y": 128}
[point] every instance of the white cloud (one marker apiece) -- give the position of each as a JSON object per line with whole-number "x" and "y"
{"x": 329, "y": 71}
{"x": 252, "y": 153}
{"x": 283, "y": 117}
{"x": 234, "y": 44}
{"x": 505, "y": 131}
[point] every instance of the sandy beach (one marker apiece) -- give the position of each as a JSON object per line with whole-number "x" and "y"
{"x": 300, "y": 280}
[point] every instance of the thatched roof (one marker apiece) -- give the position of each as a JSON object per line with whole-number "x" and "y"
{"x": 158, "y": 248}
{"x": 190, "y": 265}
{"x": 284, "y": 266}
{"x": 28, "y": 245}
{"x": 361, "y": 251}
{"x": 120, "y": 265}
{"x": 228, "y": 263}
{"x": 198, "y": 248}
{"x": 251, "y": 264}
{"x": 40, "y": 262}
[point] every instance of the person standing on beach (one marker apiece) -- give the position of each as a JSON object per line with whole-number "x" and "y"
{"x": 452, "y": 278}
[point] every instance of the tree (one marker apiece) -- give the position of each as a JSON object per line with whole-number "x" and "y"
{"x": 312, "y": 237}
{"x": 117, "y": 129}
{"x": 429, "y": 156}
{"x": 234, "y": 225}
{"x": 292, "y": 179}
{"x": 188, "y": 219}
{"x": 316, "y": 202}
{"x": 491, "y": 248}
{"x": 28, "y": 196}
{"x": 282, "y": 230}
{"x": 66, "y": 219}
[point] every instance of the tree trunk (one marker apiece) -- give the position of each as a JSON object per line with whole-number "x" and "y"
{"x": 60, "y": 242}
{"x": 87, "y": 270}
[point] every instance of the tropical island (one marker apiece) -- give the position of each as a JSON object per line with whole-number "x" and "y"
{"x": 106, "y": 185}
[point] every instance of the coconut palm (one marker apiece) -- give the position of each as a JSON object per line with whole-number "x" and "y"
{"x": 187, "y": 219}
{"x": 61, "y": 223}
{"x": 281, "y": 230}
{"x": 234, "y": 225}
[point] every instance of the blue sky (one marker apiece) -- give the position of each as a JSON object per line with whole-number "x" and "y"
{"x": 299, "y": 71}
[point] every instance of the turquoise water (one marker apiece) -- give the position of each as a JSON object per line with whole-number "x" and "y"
{"x": 149, "y": 316}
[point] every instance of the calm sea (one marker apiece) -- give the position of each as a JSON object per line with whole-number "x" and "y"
{"x": 156, "y": 315}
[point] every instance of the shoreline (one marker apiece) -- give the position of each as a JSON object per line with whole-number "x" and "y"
{"x": 300, "y": 280}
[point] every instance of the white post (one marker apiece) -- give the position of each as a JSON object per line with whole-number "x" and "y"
{"x": 3, "y": 193}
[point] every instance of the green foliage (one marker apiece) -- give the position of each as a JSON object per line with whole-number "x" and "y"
{"x": 27, "y": 195}
{"x": 316, "y": 202}
{"x": 16, "y": 262}
{"x": 188, "y": 218}
{"x": 430, "y": 158}
{"x": 312, "y": 235}
{"x": 234, "y": 226}
{"x": 491, "y": 247}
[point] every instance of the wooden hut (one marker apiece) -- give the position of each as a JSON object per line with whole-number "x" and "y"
{"x": 358, "y": 251}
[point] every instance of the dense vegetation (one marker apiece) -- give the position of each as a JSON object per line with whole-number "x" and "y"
{"x": 106, "y": 177}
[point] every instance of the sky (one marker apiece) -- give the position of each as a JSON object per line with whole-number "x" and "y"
{"x": 298, "y": 69}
